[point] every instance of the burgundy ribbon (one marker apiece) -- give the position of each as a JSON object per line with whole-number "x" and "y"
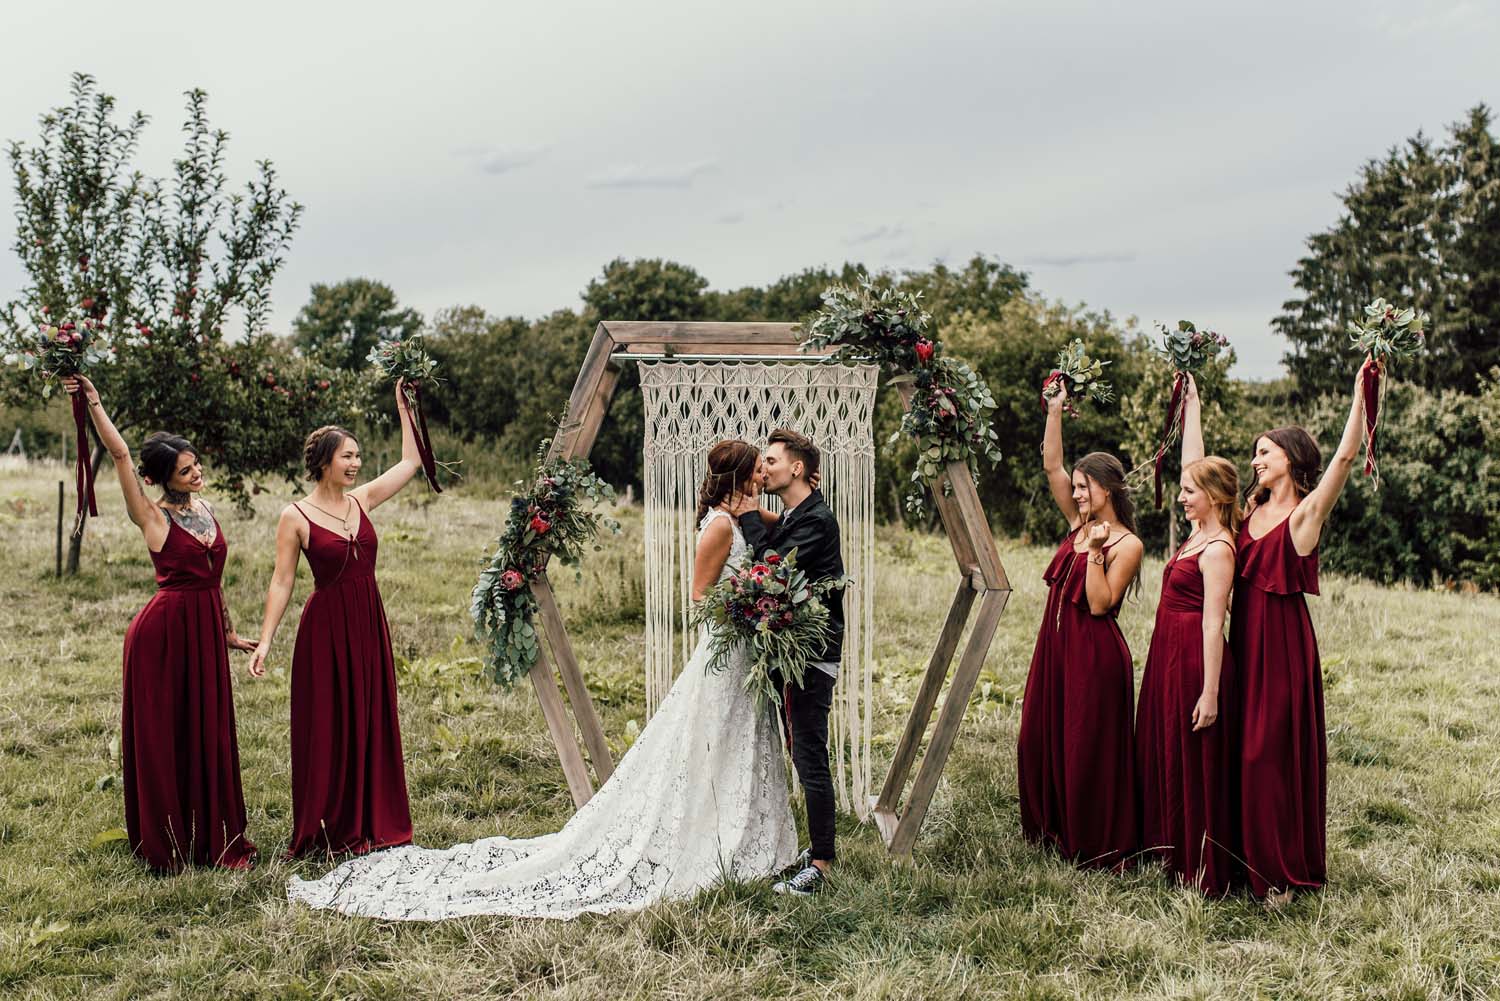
{"x": 1176, "y": 414}
{"x": 1369, "y": 387}
{"x": 418, "y": 421}
{"x": 1055, "y": 377}
{"x": 84, "y": 468}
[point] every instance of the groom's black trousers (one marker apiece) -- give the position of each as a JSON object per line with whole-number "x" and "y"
{"x": 804, "y": 720}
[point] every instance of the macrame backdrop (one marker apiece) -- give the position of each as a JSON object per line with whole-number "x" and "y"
{"x": 692, "y": 405}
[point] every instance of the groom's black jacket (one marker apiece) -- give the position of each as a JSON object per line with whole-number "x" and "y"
{"x": 811, "y": 529}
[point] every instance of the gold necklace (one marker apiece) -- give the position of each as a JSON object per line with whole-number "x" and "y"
{"x": 342, "y": 519}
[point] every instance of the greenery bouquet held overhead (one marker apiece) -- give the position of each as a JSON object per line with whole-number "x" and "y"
{"x": 407, "y": 360}
{"x": 770, "y": 610}
{"x": 554, "y": 515}
{"x": 1386, "y": 332}
{"x": 1079, "y": 375}
{"x": 64, "y": 346}
{"x": 949, "y": 415}
{"x": 1189, "y": 350}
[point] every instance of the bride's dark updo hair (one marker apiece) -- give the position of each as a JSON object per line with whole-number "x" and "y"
{"x": 731, "y": 464}
{"x": 159, "y": 454}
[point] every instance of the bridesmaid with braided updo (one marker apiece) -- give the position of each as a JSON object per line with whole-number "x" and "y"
{"x": 348, "y": 781}
{"x": 179, "y": 756}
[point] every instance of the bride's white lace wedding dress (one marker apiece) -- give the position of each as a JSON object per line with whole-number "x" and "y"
{"x": 701, "y": 795}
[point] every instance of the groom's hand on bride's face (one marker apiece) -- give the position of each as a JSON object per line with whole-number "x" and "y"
{"x": 742, "y": 503}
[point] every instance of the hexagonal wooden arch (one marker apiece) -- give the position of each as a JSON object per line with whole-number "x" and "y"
{"x": 981, "y": 578}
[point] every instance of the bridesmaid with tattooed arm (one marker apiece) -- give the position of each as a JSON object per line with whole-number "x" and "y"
{"x": 183, "y": 803}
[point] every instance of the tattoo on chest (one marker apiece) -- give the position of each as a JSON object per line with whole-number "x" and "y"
{"x": 197, "y": 521}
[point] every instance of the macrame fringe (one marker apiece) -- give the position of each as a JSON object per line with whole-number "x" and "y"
{"x": 692, "y": 405}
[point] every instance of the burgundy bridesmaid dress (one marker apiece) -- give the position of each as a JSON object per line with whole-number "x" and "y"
{"x": 1074, "y": 756}
{"x": 1185, "y": 776}
{"x": 348, "y": 781}
{"x": 1279, "y": 741}
{"x": 183, "y": 803}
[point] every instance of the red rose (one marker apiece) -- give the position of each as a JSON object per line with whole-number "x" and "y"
{"x": 923, "y": 348}
{"x": 539, "y": 525}
{"x": 773, "y": 559}
{"x": 322, "y": 383}
{"x": 88, "y": 304}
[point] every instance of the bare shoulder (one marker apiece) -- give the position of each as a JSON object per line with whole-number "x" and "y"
{"x": 718, "y": 530}
{"x": 1130, "y": 546}
{"x": 1217, "y": 557}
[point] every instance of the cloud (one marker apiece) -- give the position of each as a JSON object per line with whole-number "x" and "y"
{"x": 1072, "y": 260}
{"x": 878, "y": 233}
{"x": 730, "y": 218}
{"x": 629, "y": 176}
{"x": 501, "y": 160}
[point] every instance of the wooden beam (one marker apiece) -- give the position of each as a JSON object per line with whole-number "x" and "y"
{"x": 949, "y": 720}
{"x": 585, "y": 396}
{"x": 574, "y": 770}
{"x": 721, "y": 349}
{"x": 975, "y": 526}
{"x": 927, "y": 695}
{"x": 567, "y": 666}
{"x": 593, "y": 415}
{"x": 689, "y": 334}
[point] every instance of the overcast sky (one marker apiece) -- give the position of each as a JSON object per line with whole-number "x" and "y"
{"x": 1161, "y": 160}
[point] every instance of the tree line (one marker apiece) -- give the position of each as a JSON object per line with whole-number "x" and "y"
{"x": 177, "y": 258}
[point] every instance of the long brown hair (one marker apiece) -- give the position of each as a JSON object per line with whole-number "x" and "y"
{"x": 1302, "y": 454}
{"x": 1218, "y": 478}
{"x": 731, "y": 464}
{"x": 1109, "y": 472}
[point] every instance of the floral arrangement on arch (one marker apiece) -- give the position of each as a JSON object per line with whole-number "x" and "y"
{"x": 951, "y": 407}
{"x": 555, "y": 515}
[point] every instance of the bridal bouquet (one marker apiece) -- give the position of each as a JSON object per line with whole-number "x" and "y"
{"x": 769, "y": 609}
{"x": 407, "y": 359}
{"x": 1079, "y": 374}
{"x": 1387, "y": 332}
{"x": 1189, "y": 350}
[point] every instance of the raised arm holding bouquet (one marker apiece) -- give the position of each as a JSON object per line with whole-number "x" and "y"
{"x": 62, "y": 349}
{"x": 407, "y": 363}
{"x": 1189, "y": 350}
{"x": 1387, "y": 332}
{"x": 1080, "y": 376}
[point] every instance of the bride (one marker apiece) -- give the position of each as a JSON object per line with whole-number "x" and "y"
{"x": 701, "y": 796}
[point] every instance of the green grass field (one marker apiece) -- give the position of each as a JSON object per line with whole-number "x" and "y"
{"x": 1412, "y": 910}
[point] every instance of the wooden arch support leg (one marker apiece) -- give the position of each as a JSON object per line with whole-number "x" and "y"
{"x": 578, "y": 692}
{"x": 904, "y": 834}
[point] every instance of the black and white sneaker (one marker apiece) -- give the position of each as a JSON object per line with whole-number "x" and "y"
{"x": 808, "y": 881}
{"x": 798, "y": 864}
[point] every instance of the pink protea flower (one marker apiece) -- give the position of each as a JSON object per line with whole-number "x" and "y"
{"x": 512, "y": 580}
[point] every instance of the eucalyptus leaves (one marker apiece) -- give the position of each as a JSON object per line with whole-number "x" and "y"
{"x": 1386, "y": 332}
{"x": 1080, "y": 375}
{"x": 555, "y": 515}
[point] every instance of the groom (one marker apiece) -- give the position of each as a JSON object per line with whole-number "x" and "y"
{"x": 790, "y": 467}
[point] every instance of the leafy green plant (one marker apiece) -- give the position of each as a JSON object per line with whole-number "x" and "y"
{"x": 951, "y": 406}
{"x": 555, "y": 515}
